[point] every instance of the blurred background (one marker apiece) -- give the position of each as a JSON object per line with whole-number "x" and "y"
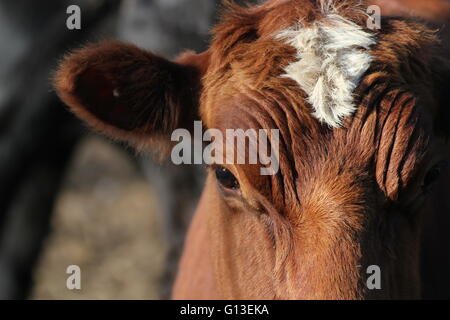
{"x": 68, "y": 196}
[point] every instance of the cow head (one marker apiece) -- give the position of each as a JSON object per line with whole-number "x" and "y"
{"x": 362, "y": 127}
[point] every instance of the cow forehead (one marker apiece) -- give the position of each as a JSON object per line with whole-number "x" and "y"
{"x": 325, "y": 57}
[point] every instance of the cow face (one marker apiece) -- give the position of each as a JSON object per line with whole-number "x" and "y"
{"x": 358, "y": 152}
{"x": 360, "y": 121}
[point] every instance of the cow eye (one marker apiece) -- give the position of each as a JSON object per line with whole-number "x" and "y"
{"x": 433, "y": 175}
{"x": 226, "y": 178}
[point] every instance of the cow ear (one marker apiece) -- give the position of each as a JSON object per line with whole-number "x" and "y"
{"x": 131, "y": 94}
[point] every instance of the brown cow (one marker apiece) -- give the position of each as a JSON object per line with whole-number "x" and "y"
{"x": 363, "y": 129}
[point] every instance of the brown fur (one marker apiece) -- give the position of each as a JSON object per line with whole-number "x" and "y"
{"x": 343, "y": 199}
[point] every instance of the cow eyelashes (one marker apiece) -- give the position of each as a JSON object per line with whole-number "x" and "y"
{"x": 225, "y": 178}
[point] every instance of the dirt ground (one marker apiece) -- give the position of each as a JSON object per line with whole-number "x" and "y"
{"x": 104, "y": 221}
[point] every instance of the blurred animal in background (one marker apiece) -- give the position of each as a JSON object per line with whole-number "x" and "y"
{"x": 363, "y": 127}
{"x": 432, "y": 10}
{"x": 36, "y": 137}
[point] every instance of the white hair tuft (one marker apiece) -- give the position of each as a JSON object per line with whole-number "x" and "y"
{"x": 332, "y": 57}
